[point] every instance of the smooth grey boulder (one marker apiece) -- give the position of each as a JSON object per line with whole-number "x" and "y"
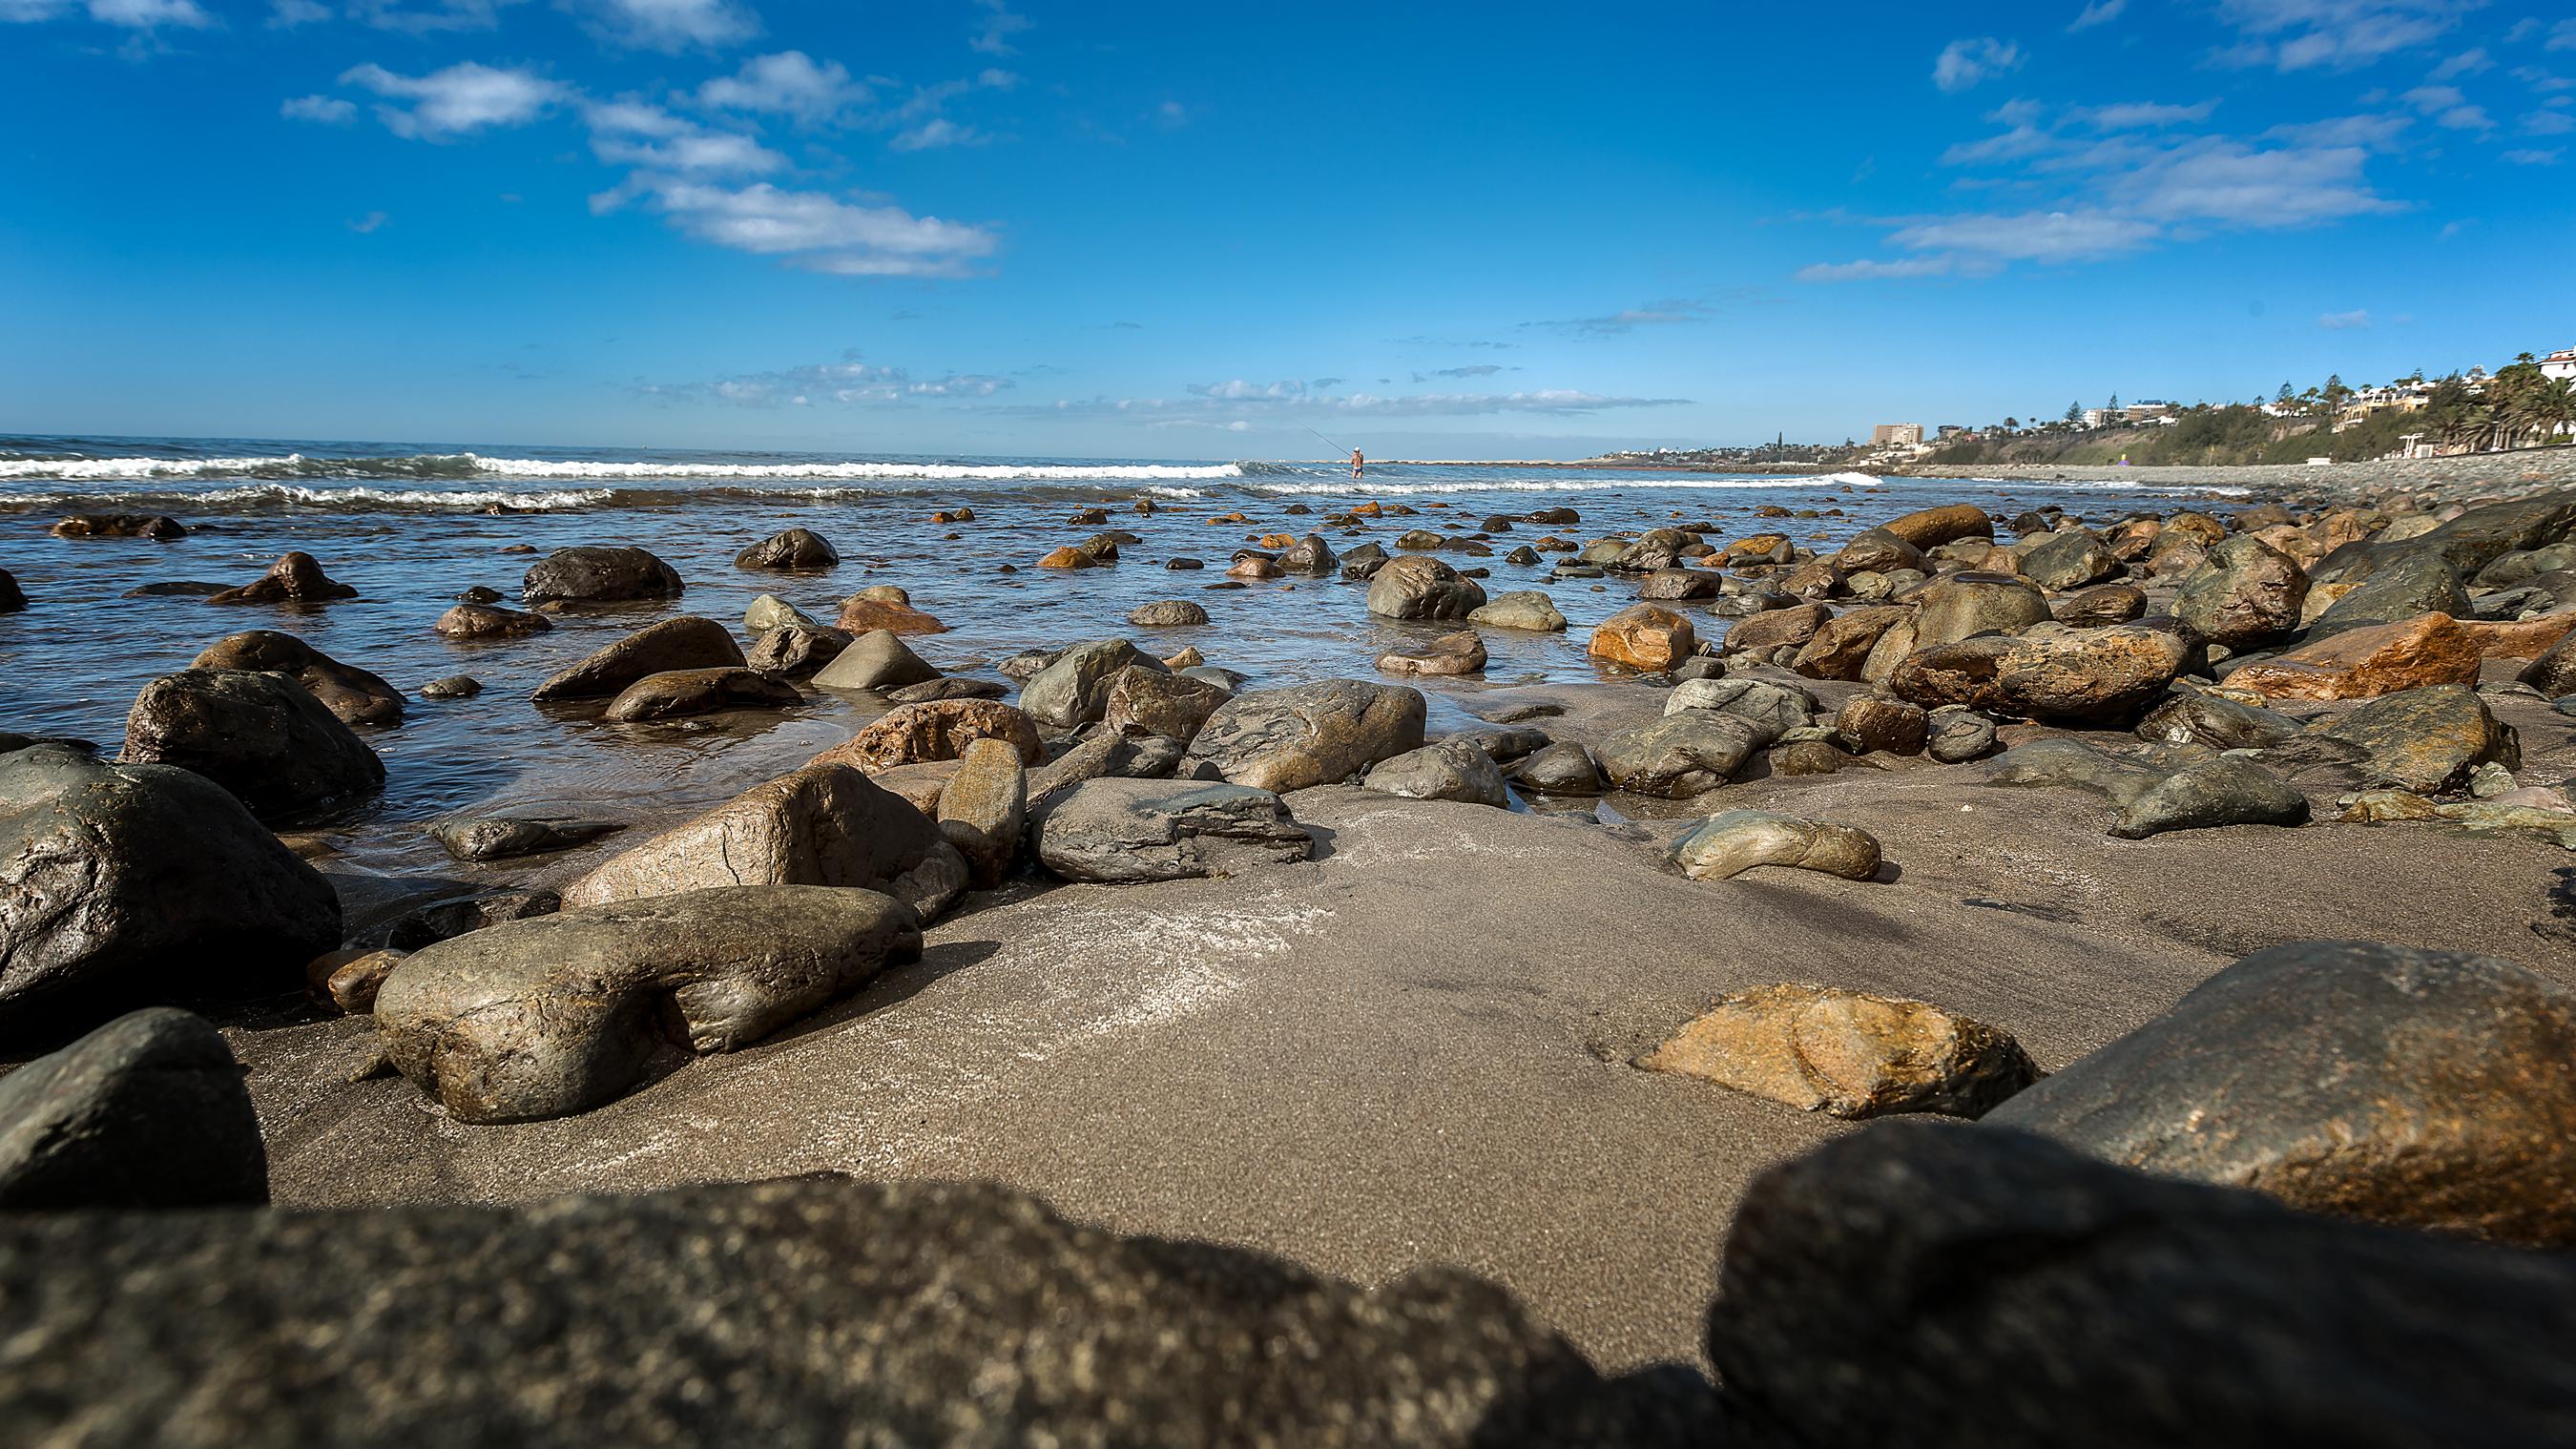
{"x": 1312, "y": 734}
{"x": 593, "y": 574}
{"x": 148, "y": 1111}
{"x": 687, "y": 642}
{"x": 2412, "y": 584}
{"x": 1167, "y": 614}
{"x": 1151, "y": 701}
{"x": 2429, "y": 1088}
{"x": 797, "y": 651}
{"x": 547, "y": 1017}
{"x": 1918, "y": 1283}
{"x": 2192, "y": 717}
{"x": 1955, "y": 734}
{"x": 2229, "y": 790}
{"x": 122, "y": 885}
{"x": 1529, "y": 609}
{"x": 2248, "y": 593}
{"x": 769, "y": 611}
{"x": 1118, "y": 831}
{"x": 1449, "y": 770}
{"x": 796, "y": 548}
{"x": 1965, "y": 605}
{"x": 879, "y": 660}
{"x": 1772, "y": 709}
{"x": 262, "y": 736}
{"x": 2425, "y": 739}
{"x": 1419, "y": 586}
{"x": 353, "y": 694}
{"x": 2069, "y": 559}
{"x": 1684, "y": 754}
{"x": 680, "y": 693}
{"x": 983, "y": 809}
{"x": 1074, "y": 690}
{"x": 1563, "y": 768}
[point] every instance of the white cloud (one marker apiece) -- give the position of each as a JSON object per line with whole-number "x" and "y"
{"x": 327, "y": 110}
{"x": 1963, "y": 63}
{"x": 638, "y": 134}
{"x": 670, "y": 24}
{"x": 993, "y": 33}
{"x": 790, "y": 83}
{"x": 2143, "y": 115}
{"x": 1867, "y": 270}
{"x": 2377, "y": 133}
{"x": 463, "y": 98}
{"x": 2232, "y": 184}
{"x": 2449, "y": 109}
{"x": 288, "y": 14}
{"x": 1654, "y": 314}
{"x": 367, "y": 223}
{"x": 2100, "y": 12}
{"x": 2054, "y": 236}
{"x": 821, "y": 233}
{"x": 433, "y": 17}
{"x": 128, "y": 14}
{"x": 2534, "y": 158}
{"x": 2335, "y": 34}
{"x": 850, "y": 382}
{"x": 2467, "y": 62}
{"x": 2548, "y": 123}
{"x": 1219, "y": 399}
{"x": 937, "y": 132}
{"x": 2562, "y": 36}
{"x": 2354, "y": 321}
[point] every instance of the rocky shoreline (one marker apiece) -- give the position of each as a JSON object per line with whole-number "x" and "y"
{"x": 1342, "y": 1072}
{"x": 2467, "y": 477}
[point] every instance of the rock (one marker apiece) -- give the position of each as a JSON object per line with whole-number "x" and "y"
{"x": 1449, "y": 770}
{"x": 769, "y": 612}
{"x": 506, "y": 837}
{"x": 2519, "y": 638}
{"x": 262, "y": 736}
{"x": 2100, "y": 605}
{"x": 2554, "y": 672}
{"x": 484, "y": 621}
{"x": 1127, "y": 831}
{"x": 294, "y": 579}
{"x": 1727, "y": 845}
{"x": 1875, "y": 550}
{"x": 1459, "y": 653}
{"x": 868, "y": 611}
{"x": 2248, "y": 593}
{"x": 1309, "y": 557}
{"x": 590, "y": 574}
{"x": 1842, "y": 643}
{"x": 1966, "y": 605}
{"x": 1102, "y": 756}
{"x": 1885, "y": 724}
{"x": 983, "y": 809}
{"x": 2426, "y": 740}
{"x": 1422, "y": 587}
{"x": 2047, "y": 671}
{"x": 1681, "y": 755}
{"x": 1074, "y": 690}
{"x": 1152, "y": 702}
{"x": 2069, "y": 560}
{"x": 353, "y": 694}
{"x": 941, "y": 730}
{"x": 13, "y": 599}
{"x": 1848, "y": 1053}
{"x": 443, "y": 920}
{"x": 2367, "y": 661}
{"x": 452, "y": 686}
{"x": 2414, "y": 584}
{"x": 1669, "y": 585}
{"x": 126, "y": 884}
{"x": 2433, "y": 1089}
{"x": 1932, "y": 527}
{"x": 877, "y": 660}
{"x": 148, "y": 1111}
{"x": 1068, "y": 557}
{"x": 797, "y": 548}
{"x": 1520, "y": 609}
{"x": 1644, "y": 637}
{"x": 1955, "y": 734}
{"x": 2163, "y": 1312}
{"x": 1363, "y": 562}
{"x": 687, "y": 642}
{"x": 919, "y": 786}
{"x": 2228, "y": 790}
{"x": 798, "y": 651}
{"x": 679, "y": 693}
{"x": 2195, "y": 717}
{"x": 119, "y": 525}
{"x": 1775, "y": 629}
{"x": 548, "y": 1017}
{"x": 823, "y": 825}
{"x": 931, "y": 691}
{"x": 353, "y": 983}
{"x": 1167, "y": 614}
{"x": 1312, "y": 734}
{"x": 1563, "y": 768}
{"x": 1772, "y": 709}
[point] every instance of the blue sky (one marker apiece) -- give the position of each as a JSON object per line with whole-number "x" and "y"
{"x": 1144, "y": 229}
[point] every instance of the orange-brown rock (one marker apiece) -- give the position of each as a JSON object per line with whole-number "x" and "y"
{"x": 1848, "y": 1053}
{"x": 1277, "y": 540}
{"x": 1932, "y": 527}
{"x": 1068, "y": 557}
{"x": 1841, "y": 644}
{"x": 862, "y": 615}
{"x": 2518, "y": 638}
{"x": 2367, "y": 662}
{"x": 1645, "y": 637}
{"x": 1773, "y": 628}
{"x": 940, "y": 729}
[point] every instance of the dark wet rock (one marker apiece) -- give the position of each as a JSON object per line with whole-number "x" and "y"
{"x": 452, "y": 686}
{"x": 931, "y": 691}
{"x": 2248, "y": 593}
{"x": 262, "y": 736}
{"x": 1312, "y": 734}
{"x": 1523, "y": 556}
{"x": 548, "y": 1017}
{"x": 877, "y": 660}
{"x": 1563, "y": 768}
{"x": 1520, "y": 609}
{"x": 445, "y": 920}
{"x": 120, "y": 525}
{"x": 1184, "y": 563}
{"x": 1966, "y": 605}
{"x": 1885, "y": 724}
{"x": 12, "y": 598}
{"x": 506, "y": 837}
{"x": 1459, "y": 653}
{"x": 2554, "y": 672}
{"x": 1728, "y": 844}
{"x": 2428, "y": 1088}
{"x": 148, "y": 1111}
{"x": 1848, "y": 1053}
{"x": 797, "y": 548}
{"x": 1668, "y": 585}
{"x": 1954, "y": 735}
{"x": 2048, "y": 671}
{"x": 294, "y": 579}
{"x": 1899, "y": 1285}
{"x": 1363, "y": 562}
{"x": 797, "y": 651}
{"x": 687, "y": 642}
{"x": 1309, "y": 557}
{"x": 590, "y": 574}
{"x": 1422, "y": 587}
{"x": 1167, "y": 614}
{"x": 1841, "y": 645}
{"x": 1450, "y": 770}
{"x": 2153, "y": 797}
{"x": 122, "y": 885}
{"x": 1776, "y": 628}
{"x": 353, "y": 694}
{"x": 2070, "y": 560}
{"x": 176, "y": 589}
{"x": 479, "y": 594}
{"x": 680, "y": 693}
{"x": 1153, "y": 702}
{"x": 2100, "y": 605}
{"x": 1876, "y": 550}
{"x": 1118, "y": 831}
{"x": 1771, "y": 709}
{"x": 1074, "y": 690}
{"x": 823, "y": 825}
{"x": 2426, "y": 740}
{"x": 1683, "y": 754}
{"x": 2411, "y": 585}
{"x": 936, "y": 730}
{"x": 484, "y": 621}
{"x": 2194, "y": 717}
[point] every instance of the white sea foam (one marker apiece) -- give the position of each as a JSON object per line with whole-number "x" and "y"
{"x": 1539, "y": 485}
{"x": 71, "y": 469}
{"x": 426, "y": 499}
{"x": 943, "y": 472}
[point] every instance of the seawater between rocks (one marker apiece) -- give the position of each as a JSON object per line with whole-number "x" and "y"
{"x": 411, "y": 527}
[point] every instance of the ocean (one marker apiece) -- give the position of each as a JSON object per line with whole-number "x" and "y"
{"x": 413, "y": 526}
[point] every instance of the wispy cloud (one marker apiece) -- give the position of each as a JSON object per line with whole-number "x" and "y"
{"x": 463, "y": 98}
{"x": 2449, "y": 109}
{"x": 935, "y": 133}
{"x": 1654, "y": 314}
{"x": 1869, "y": 270}
{"x": 2353, "y": 321}
{"x": 789, "y": 83}
{"x": 324, "y": 110}
{"x": 818, "y": 232}
{"x": 1239, "y": 397}
{"x": 368, "y": 223}
{"x": 2292, "y": 35}
{"x": 1963, "y": 63}
{"x": 2100, "y": 12}
{"x": 1473, "y": 369}
{"x": 639, "y": 134}
{"x": 137, "y": 15}
{"x": 994, "y": 31}
{"x": 850, "y": 382}
{"x": 2535, "y": 158}
{"x": 668, "y": 25}
{"x": 429, "y": 18}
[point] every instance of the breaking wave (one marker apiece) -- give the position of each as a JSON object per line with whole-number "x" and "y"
{"x": 472, "y": 465}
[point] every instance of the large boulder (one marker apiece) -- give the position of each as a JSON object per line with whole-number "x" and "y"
{"x": 2415, "y": 583}
{"x": 1841, "y": 645}
{"x": 1848, "y": 1053}
{"x": 1454, "y": 769}
{"x": 1732, "y": 842}
{"x": 356, "y": 696}
{"x": 913, "y": 734}
{"x": 823, "y": 825}
{"x": 2196, "y": 794}
{"x": 1520, "y": 609}
{"x": 687, "y": 642}
{"x": 1422, "y": 587}
{"x": 262, "y": 736}
{"x": 2554, "y": 672}
{"x": 551, "y": 1016}
{"x": 2248, "y": 593}
{"x": 1966, "y": 605}
{"x": 295, "y": 578}
{"x": 983, "y": 809}
{"x": 2048, "y": 671}
{"x": 489, "y": 621}
{"x": 1312, "y": 734}
{"x": 1462, "y": 652}
{"x": 1920, "y": 1284}
{"x": 148, "y": 1111}
{"x": 1309, "y": 557}
{"x": 2426, "y": 740}
{"x": 1680, "y": 755}
{"x": 122, "y": 885}
{"x": 2429, "y": 1088}
{"x": 1074, "y": 690}
{"x": 1645, "y": 637}
{"x": 797, "y": 548}
{"x": 1932, "y": 527}
{"x": 1120, "y": 831}
{"x": 1772, "y": 709}
{"x": 590, "y": 574}
{"x": 1150, "y": 701}
{"x": 2367, "y": 661}
{"x": 798, "y": 651}
{"x": 2069, "y": 559}
{"x": 878, "y": 660}
{"x": 1776, "y": 628}
{"x": 681, "y": 693}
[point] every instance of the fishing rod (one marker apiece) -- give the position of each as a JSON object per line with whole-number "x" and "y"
{"x": 1327, "y": 442}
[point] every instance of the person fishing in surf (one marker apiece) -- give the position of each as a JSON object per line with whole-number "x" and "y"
{"x": 1357, "y": 462}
